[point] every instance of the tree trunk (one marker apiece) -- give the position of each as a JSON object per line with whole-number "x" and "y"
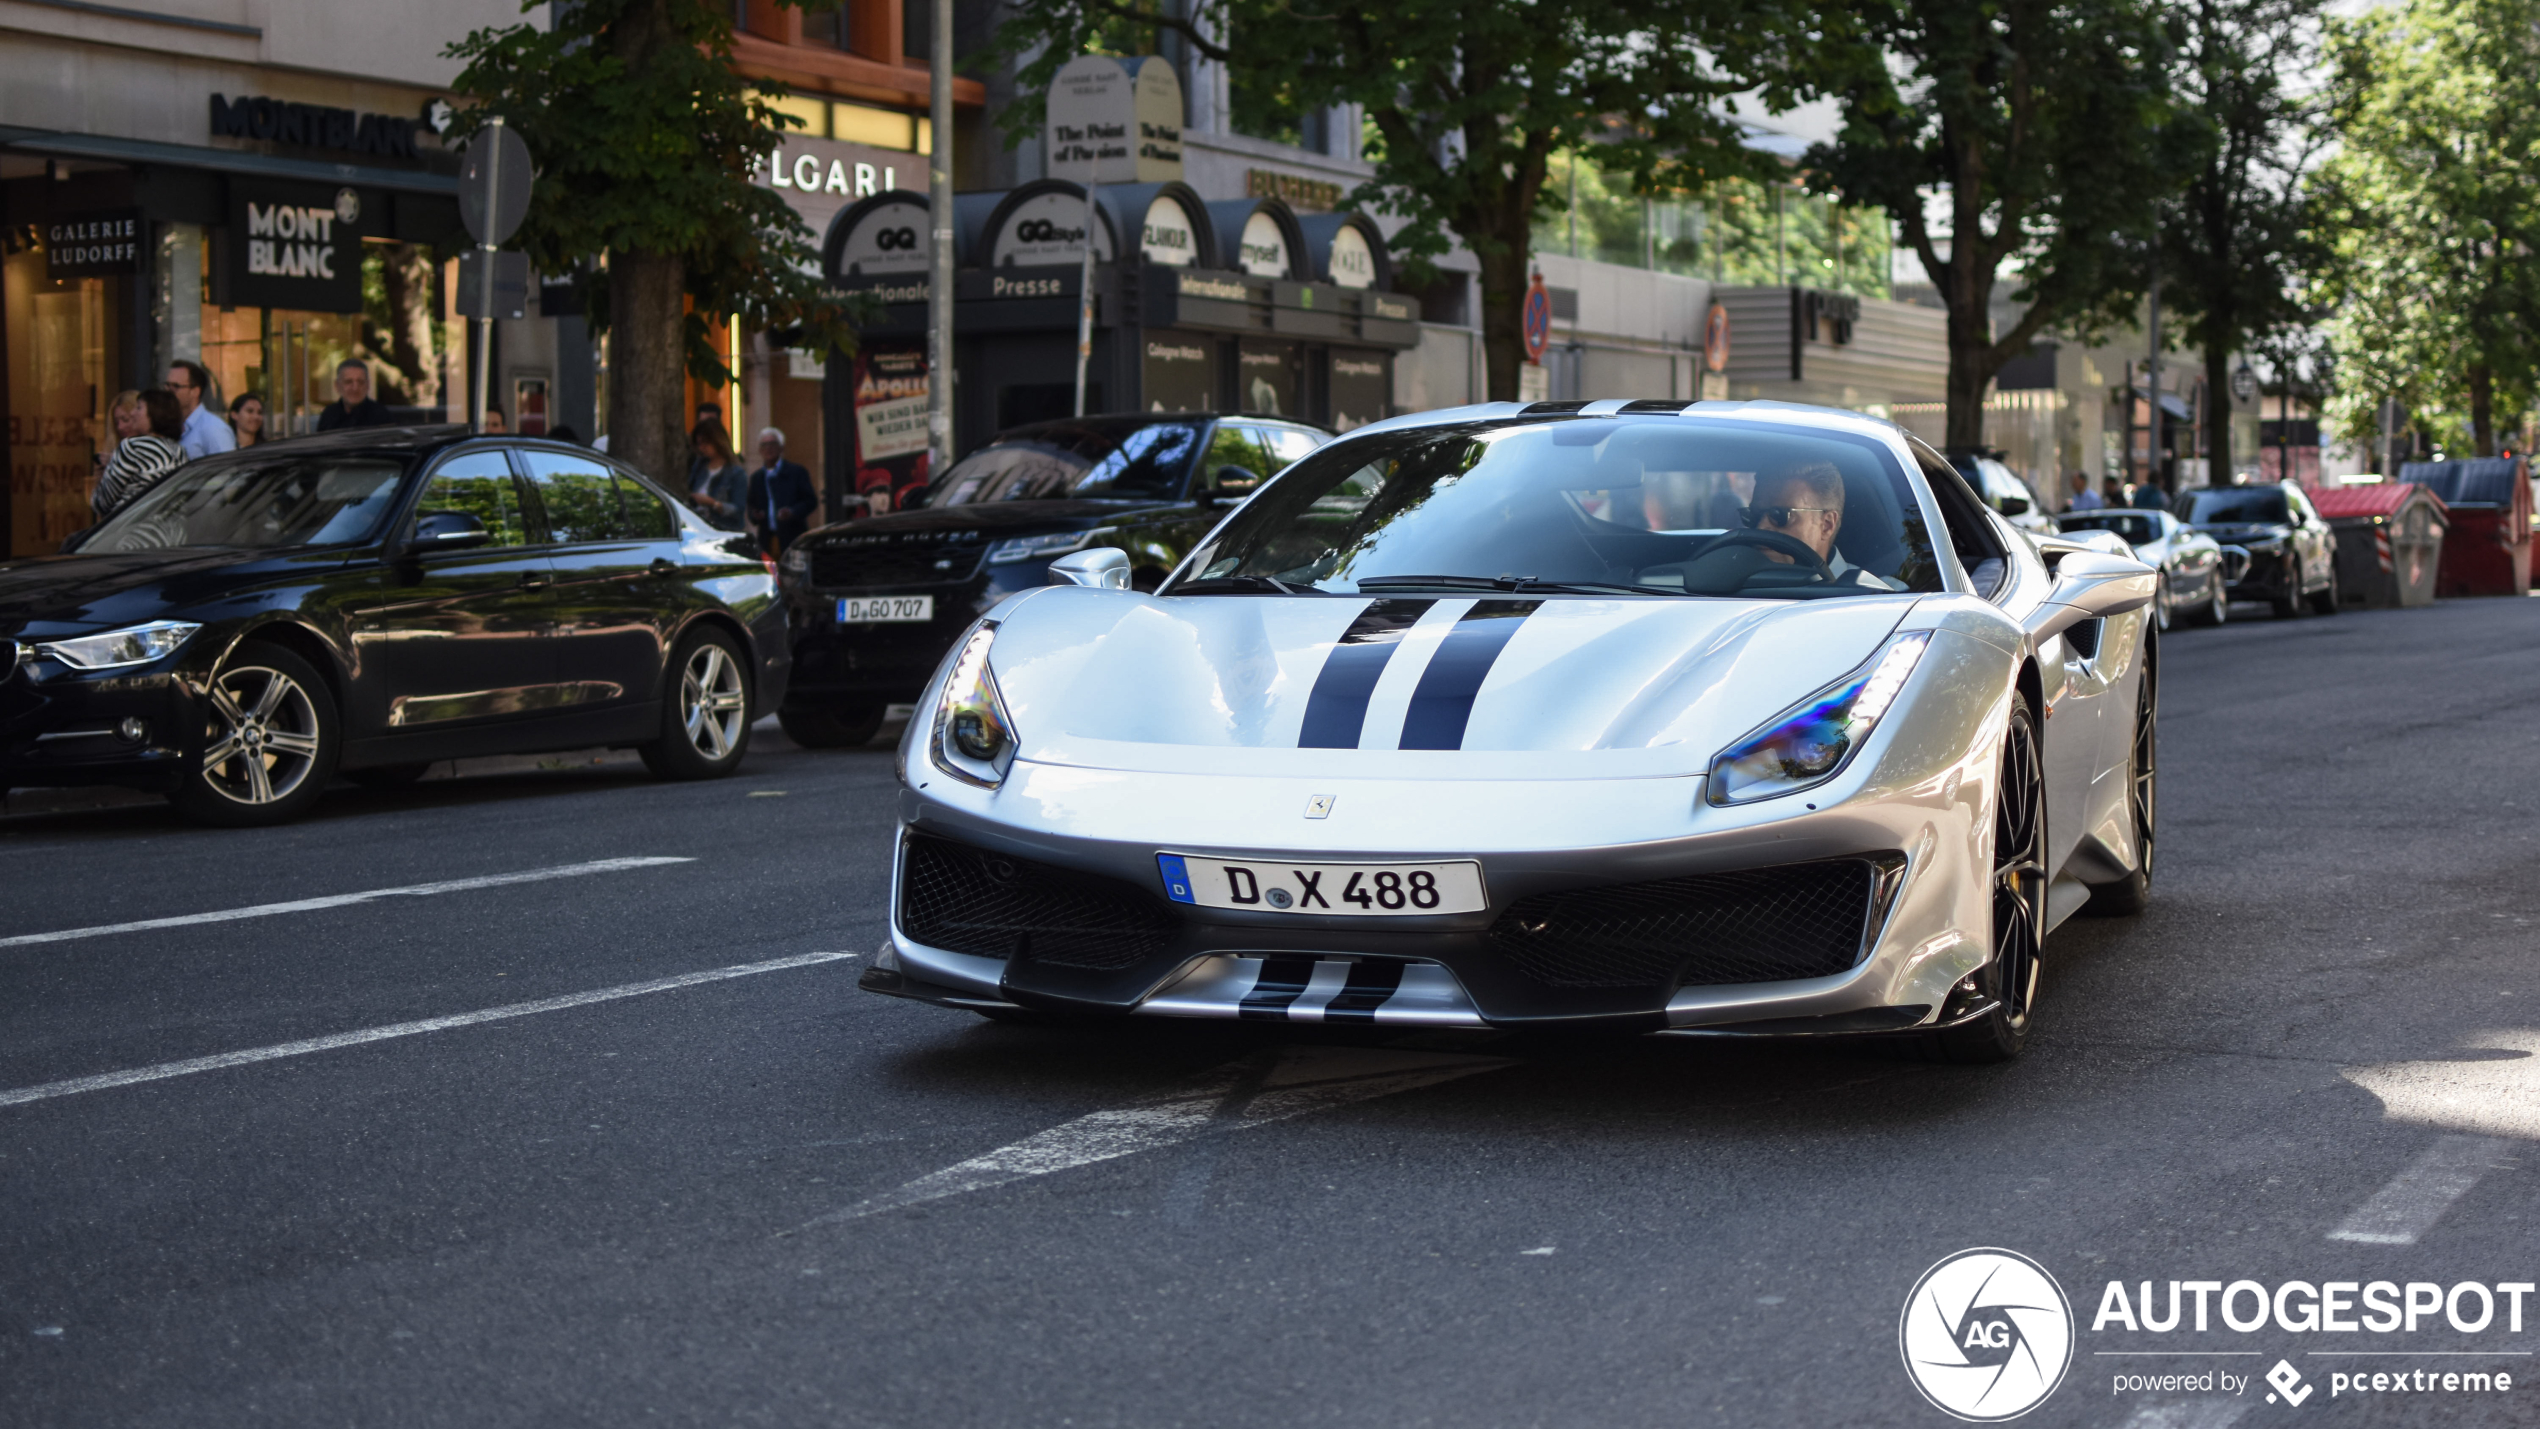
{"x": 1504, "y": 283}
{"x": 2482, "y": 408}
{"x": 2218, "y": 468}
{"x": 648, "y": 365}
{"x": 408, "y": 275}
{"x": 1971, "y": 367}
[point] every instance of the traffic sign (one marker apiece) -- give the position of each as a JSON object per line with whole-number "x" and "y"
{"x": 494, "y": 184}
{"x": 1715, "y": 339}
{"x": 1537, "y": 320}
{"x": 503, "y": 293}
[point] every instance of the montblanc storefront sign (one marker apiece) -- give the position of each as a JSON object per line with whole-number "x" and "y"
{"x": 314, "y": 125}
{"x": 292, "y": 246}
{"x": 93, "y": 245}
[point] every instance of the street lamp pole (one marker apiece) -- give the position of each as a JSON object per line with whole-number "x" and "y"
{"x": 939, "y": 278}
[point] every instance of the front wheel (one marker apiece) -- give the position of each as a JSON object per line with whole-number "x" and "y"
{"x": 2324, "y": 600}
{"x": 2289, "y": 605}
{"x": 270, "y": 740}
{"x": 705, "y": 712}
{"x": 2008, "y": 983}
{"x": 2217, "y": 606}
{"x": 2161, "y": 604}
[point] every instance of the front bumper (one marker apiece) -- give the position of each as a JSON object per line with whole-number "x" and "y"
{"x": 60, "y": 727}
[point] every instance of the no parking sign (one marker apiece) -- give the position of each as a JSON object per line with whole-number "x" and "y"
{"x": 1537, "y": 320}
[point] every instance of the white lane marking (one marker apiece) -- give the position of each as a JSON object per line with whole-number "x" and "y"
{"x": 340, "y": 900}
{"x": 2205, "y": 1414}
{"x": 1307, "y": 1079}
{"x": 2487, "y": 1096}
{"x": 2416, "y": 1198}
{"x": 217, "y": 1061}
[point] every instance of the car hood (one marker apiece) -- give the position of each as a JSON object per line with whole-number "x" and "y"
{"x": 1578, "y": 687}
{"x": 999, "y": 518}
{"x": 132, "y": 586}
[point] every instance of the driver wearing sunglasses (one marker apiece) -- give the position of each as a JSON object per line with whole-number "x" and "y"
{"x": 1806, "y": 504}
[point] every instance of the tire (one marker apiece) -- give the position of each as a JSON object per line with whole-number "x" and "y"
{"x": 2161, "y": 603}
{"x": 2131, "y": 894}
{"x": 2324, "y": 601}
{"x": 2009, "y": 980}
{"x": 388, "y": 776}
{"x": 2217, "y": 606}
{"x": 2289, "y": 605}
{"x": 850, "y": 728}
{"x": 271, "y": 737}
{"x": 705, "y": 710}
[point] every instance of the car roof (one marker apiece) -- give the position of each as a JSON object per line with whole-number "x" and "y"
{"x": 1797, "y": 414}
{"x": 1130, "y": 420}
{"x": 408, "y": 441}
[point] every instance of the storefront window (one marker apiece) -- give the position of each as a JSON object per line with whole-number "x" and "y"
{"x": 63, "y": 356}
{"x": 288, "y": 357}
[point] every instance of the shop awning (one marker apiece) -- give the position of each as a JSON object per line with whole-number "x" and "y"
{"x": 2172, "y": 404}
{"x": 103, "y": 148}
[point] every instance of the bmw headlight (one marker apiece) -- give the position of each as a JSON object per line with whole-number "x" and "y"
{"x": 1033, "y": 548}
{"x": 974, "y": 737}
{"x": 1811, "y": 744}
{"x": 134, "y": 645}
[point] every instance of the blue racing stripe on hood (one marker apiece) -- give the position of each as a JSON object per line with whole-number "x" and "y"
{"x": 1336, "y": 711}
{"x": 1443, "y": 703}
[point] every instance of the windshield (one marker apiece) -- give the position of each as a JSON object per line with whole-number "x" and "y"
{"x": 2138, "y": 528}
{"x": 1651, "y": 506}
{"x": 1094, "y": 460}
{"x": 319, "y": 500}
{"x": 2263, "y": 504}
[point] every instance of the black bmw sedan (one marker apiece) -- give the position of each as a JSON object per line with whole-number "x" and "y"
{"x": 874, "y": 604}
{"x": 374, "y": 601}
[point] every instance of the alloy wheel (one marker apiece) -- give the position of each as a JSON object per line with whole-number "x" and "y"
{"x": 2019, "y": 876}
{"x": 2146, "y": 767}
{"x": 712, "y": 703}
{"x": 261, "y": 740}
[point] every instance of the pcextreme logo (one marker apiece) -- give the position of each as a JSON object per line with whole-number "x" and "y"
{"x": 1986, "y": 1335}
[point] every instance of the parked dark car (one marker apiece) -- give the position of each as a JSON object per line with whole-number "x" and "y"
{"x": 2195, "y": 579}
{"x": 374, "y": 601}
{"x": 2292, "y": 553}
{"x": 875, "y": 603}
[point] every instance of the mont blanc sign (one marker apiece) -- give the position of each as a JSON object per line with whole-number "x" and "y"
{"x": 1115, "y": 122}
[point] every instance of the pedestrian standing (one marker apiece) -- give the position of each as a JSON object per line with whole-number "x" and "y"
{"x": 205, "y": 434}
{"x": 151, "y": 425}
{"x": 247, "y": 418}
{"x": 722, "y": 491}
{"x": 706, "y": 412}
{"x": 781, "y": 496}
{"x": 352, "y": 406}
{"x": 2148, "y": 497}
{"x": 2084, "y": 499}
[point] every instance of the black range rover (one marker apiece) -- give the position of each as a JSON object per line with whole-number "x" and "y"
{"x": 873, "y": 604}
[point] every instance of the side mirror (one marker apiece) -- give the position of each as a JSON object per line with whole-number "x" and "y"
{"x": 446, "y": 531}
{"x": 2012, "y": 506}
{"x": 1230, "y": 484}
{"x": 1104, "y": 567}
{"x": 2088, "y": 585}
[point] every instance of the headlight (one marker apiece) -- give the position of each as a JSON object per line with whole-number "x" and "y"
{"x": 1033, "y": 548}
{"x": 1812, "y": 744}
{"x": 797, "y": 559}
{"x": 137, "y": 645}
{"x": 974, "y": 738}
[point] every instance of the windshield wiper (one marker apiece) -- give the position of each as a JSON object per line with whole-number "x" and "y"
{"x": 1510, "y": 583}
{"x": 1243, "y": 585}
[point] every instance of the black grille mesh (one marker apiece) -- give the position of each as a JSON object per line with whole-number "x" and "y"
{"x": 1757, "y": 925}
{"x": 968, "y": 900}
{"x": 851, "y": 567}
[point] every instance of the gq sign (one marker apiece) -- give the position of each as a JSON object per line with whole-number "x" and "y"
{"x": 293, "y": 246}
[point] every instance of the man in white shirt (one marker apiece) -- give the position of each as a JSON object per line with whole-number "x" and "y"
{"x": 205, "y": 433}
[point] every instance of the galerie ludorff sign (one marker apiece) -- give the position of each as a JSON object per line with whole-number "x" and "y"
{"x": 1114, "y": 122}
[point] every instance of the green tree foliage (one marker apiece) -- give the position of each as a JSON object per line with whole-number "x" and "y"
{"x": 645, "y": 138}
{"x": 1469, "y": 103}
{"x": 2431, "y": 205}
{"x": 2044, "y": 128}
{"x": 2236, "y": 244}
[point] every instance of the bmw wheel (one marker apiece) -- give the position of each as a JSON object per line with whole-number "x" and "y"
{"x": 2130, "y": 894}
{"x": 269, "y": 743}
{"x": 2007, "y": 985}
{"x": 705, "y": 710}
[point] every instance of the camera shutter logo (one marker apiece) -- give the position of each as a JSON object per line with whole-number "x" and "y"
{"x": 1986, "y": 1335}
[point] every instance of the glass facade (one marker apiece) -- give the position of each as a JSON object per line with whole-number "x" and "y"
{"x": 65, "y": 351}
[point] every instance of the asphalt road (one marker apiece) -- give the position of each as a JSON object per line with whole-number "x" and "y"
{"x": 769, "y": 1199}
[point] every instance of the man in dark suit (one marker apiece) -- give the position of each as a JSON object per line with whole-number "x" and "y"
{"x": 781, "y": 499}
{"x": 352, "y": 406}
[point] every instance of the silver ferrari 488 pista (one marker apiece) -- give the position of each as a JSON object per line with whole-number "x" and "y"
{"x": 1719, "y": 719}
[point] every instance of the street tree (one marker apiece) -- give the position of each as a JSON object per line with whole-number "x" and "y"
{"x": 1468, "y": 104}
{"x": 645, "y": 136}
{"x": 2044, "y": 131}
{"x": 2236, "y": 245}
{"x": 2432, "y": 206}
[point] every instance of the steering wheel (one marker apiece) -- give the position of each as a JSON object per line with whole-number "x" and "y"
{"x": 1798, "y": 550}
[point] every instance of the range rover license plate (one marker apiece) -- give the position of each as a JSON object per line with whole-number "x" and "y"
{"x": 884, "y": 609}
{"x": 1376, "y": 890}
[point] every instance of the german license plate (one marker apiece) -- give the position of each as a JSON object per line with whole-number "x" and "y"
{"x": 1375, "y": 890}
{"x": 884, "y": 609}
